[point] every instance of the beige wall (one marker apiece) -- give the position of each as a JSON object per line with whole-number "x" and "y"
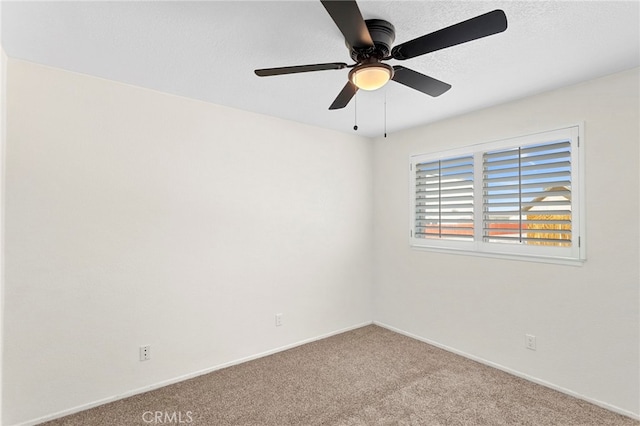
{"x": 586, "y": 319}
{"x": 134, "y": 217}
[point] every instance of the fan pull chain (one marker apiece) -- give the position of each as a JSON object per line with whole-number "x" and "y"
{"x": 355, "y": 112}
{"x": 385, "y": 113}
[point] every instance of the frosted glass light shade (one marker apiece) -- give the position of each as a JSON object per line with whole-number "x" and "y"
{"x": 371, "y": 76}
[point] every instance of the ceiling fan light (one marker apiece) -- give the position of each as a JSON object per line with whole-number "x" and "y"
{"x": 371, "y": 76}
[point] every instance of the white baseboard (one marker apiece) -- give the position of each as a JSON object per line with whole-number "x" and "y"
{"x": 184, "y": 377}
{"x": 605, "y": 405}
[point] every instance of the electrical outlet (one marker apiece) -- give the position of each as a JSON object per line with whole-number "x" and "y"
{"x": 278, "y": 320}
{"x": 145, "y": 353}
{"x": 530, "y": 341}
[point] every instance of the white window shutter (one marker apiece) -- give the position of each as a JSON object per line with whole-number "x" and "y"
{"x": 527, "y": 195}
{"x": 444, "y": 199}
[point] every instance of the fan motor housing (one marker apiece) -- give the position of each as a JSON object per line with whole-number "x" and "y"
{"x": 383, "y": 35}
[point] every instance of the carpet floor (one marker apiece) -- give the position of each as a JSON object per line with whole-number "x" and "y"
{"x": 368, "y": 376}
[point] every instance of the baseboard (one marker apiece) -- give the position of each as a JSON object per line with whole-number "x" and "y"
{"x": 184, "y": 377}
{"x": 513, "y": 372}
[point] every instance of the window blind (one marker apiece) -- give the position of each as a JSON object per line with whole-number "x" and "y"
{"x": 444, "y": 199}
{"x": 527, "y": 195}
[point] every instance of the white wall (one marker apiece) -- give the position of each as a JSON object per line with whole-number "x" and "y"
{"x": 586, "y": 319}
{"x": 3, "y": 128}
{"x": 135, "y": 217}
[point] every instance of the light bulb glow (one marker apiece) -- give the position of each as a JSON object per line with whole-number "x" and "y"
{"x": 371, "y": 76}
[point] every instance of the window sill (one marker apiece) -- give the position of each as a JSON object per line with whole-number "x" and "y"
{"x": 520, "y": 257}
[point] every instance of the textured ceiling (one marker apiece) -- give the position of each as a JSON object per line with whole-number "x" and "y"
{"x": 208, "y": 51}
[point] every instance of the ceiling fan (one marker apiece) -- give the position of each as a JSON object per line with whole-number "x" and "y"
{"x": 370, "y": 42}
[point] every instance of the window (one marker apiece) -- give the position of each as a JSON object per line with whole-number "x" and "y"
{"x": 516, "y": 197}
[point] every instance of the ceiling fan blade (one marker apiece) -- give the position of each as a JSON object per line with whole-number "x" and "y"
{"x": 348, "y": 18}
{"x": 420, "y": 82}
{"x": 345, "y": 95}
{"x": 300, "y": 68}
{"x": 481, "y": 26}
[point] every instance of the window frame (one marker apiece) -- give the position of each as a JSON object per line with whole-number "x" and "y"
{"x": 573, "y": 255}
